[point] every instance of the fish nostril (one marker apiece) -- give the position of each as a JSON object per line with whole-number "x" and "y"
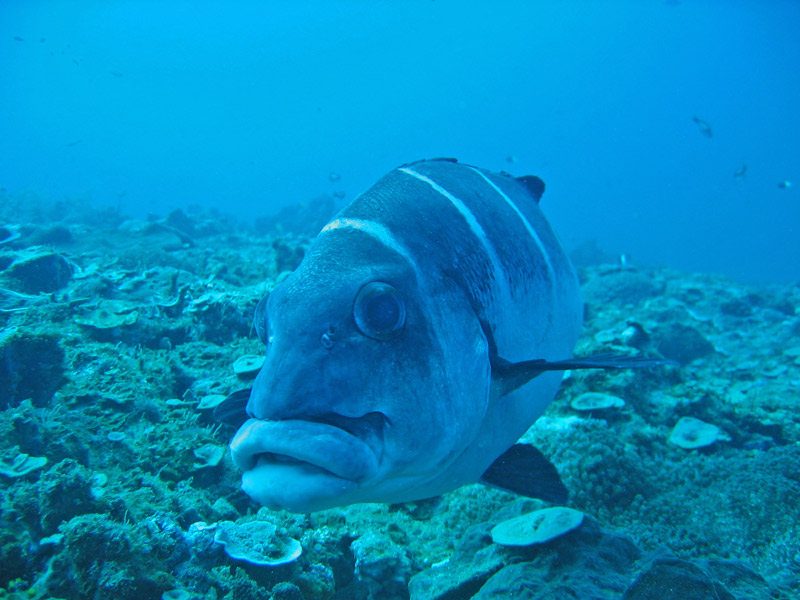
{"x": 328, "y": 339}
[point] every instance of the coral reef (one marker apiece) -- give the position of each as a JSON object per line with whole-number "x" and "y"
{"x": 119, "y": 338}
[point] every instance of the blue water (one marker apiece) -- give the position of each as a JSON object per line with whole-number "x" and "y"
{"x": 249, "y": 106}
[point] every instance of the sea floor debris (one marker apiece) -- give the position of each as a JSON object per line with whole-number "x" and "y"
{"x": 111, "y": 366}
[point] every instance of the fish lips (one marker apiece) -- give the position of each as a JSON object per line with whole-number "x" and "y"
{"x": 305, "y": 448}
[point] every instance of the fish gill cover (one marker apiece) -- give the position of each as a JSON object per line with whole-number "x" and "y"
{"x": 123, "y": 331}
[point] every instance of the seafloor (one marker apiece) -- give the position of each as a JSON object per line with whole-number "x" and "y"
{"x": 119, "y": 336}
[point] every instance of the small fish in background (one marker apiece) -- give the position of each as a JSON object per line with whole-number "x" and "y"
{"x": 511, "y": 159}
{"x": 116, "y": 74}
{"x": 334, "y": 176}
{"x": 18, "y": 39}
{"x": 739, "y": 173}
{"x": 785, "y": 185}
{"x": 703, "y": 126}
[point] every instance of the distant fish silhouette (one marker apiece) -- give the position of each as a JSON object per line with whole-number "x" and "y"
{"x": 703, "y": 126}
{"x": 740, "y": 172}
{"x": 784, "y": 185}
{"x": 116, "y": 73}
{"x": 18, "y": 39}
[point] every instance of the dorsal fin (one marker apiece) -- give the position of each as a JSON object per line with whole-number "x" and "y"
{"x": 534, "y": 184}
{"x": 423, "y": 160}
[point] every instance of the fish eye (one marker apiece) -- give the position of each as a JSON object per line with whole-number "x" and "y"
{"x": 379, "y": 311}
{"x": 260, "y": 321}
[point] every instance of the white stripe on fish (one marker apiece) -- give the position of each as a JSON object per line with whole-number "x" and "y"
{"x": 525, "y": 222}
{"x": 375, "y": 230}
{"x": 475, "y": 227}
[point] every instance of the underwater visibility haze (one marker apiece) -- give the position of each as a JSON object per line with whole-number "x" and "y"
{"x": 262, "y": 337}
{"x": 249, "y": 107}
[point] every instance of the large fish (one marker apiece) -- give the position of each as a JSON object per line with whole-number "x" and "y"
{"x": 423, "y": 333}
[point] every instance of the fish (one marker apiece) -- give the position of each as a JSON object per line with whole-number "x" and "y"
{"x": 427, "y": 327}
{"x": 740, "y": 172}
{"x": 785, "y": 185}
{"x": 703, "y": 126}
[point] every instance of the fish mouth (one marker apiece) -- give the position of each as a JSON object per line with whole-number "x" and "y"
{"x": 342, "y": 447}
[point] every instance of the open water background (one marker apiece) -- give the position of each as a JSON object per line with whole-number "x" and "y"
{"x": 249, "y": 106}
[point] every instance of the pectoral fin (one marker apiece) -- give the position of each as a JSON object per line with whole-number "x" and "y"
{"x": 508, "y": 376}
{"x": 524, "y": 470}
{"x": 233, "y": 410}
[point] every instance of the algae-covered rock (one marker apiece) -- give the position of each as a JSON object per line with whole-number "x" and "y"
{"x": 457, "y": 578}
{"x": 537, "y": 527}
{"x": 110, "y": 315}
{"x": 590, "y": 401}
{"x": 37, "y": 270}
{"x": 210, "y": 402}
{"x": 286, "y": 590}
{"x": 617, "y": 285}
{"x": 208, "y": 456}
{"x": 737, "y": 577}
{"x": 67, "y": 490}
{"x": 22, "y": 465}
{"x": 555, "y": 581}
{"x": 31, "y": 366}
{"x": 256, "y": 543}
{"x": 589, "y": 563}
{"x": 9, "y": 233}
{"x": 110, "y": 559}
{"x": 524, "y": 580}
{"x": 317, "y": 580}
{"x": 248, "y": 366}
{"x": 674, "y": 579}
{"x": 177, "y": 594}
{"x": 690, "y": 433}
{"x": 142, "y": 458}
{"x": 683, "y": 343}
{"x": 304, "y": 218}
{"x": 382, "y": 566}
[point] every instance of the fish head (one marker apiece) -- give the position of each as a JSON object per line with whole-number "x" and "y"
{"x": 367, "y": 393}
